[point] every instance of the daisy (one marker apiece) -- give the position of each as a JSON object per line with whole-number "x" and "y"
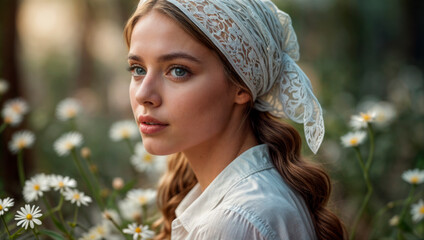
{"x": 417, "y": 211}
{"x": 384, "y": 113}
{"x": 130, "y": 210}
{"x": 20, "y": 140}
{"x": 142, "y": 196}
{"x": 361, "y": 121}
{"x": 5, "y": 204}
{"x": 122, "y": 130}
{"x": 60, "y": 183}
{"x": 144, "y": 161}
{"x": 17, "y": 105}
{"x": 118, "y": 183}
{"x": 28, "y": 216}
{"x": 68, "y": 109}
{"x": 91, "y": 235}
{"x": 139, "y": 231}
{"x": 394, "y": 221}
{"x": 77, "y": 197}
{"x": 35, "y": 187}
{"x": 353, "y": 139}
{"x": 4, "y": 86}
{"x": 11, "y": 117}
{"x": 415, "y": 176}
{"x": 67, "y": 142}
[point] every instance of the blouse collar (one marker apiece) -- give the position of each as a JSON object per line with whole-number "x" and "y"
{"x": 196, "y": 203}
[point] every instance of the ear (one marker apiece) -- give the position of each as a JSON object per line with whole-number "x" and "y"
{"x": 242, "y": 96}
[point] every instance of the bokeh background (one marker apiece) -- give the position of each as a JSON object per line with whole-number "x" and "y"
{"x": 354, "y": 52}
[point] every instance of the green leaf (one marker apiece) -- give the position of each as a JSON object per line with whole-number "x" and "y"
{"x": 54, "y": 235}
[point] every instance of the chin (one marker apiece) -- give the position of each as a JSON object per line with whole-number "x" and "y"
{"x": 158, "y": 147}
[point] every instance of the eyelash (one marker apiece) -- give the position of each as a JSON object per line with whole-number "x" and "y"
{"x": 187, "y": 75}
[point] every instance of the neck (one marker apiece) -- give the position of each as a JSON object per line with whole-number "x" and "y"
{"x": 207, "y": 160}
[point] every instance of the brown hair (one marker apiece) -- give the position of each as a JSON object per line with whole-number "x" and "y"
{"x": 283, "y": 140}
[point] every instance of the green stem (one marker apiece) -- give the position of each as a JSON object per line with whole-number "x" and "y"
{"x": 49, "y": 208}
{"x": 73, "y": 123}
{"x": 117, "y": 226}
{"x": 367, "y": 196}
{"x": 404, "y": 210}
{"x": 5, "y": 225}
{"x": 84, "y": 176}
{"x": 76, "y": 215}
{"x": 95, "y": 175}
{"x": 16, "y": 233}
{"x": 372, "y": 146}
{"x": 130, "y": 145}
{"x": 35, "y": 234}
{"x": 21, "y": 168}
{"x": 2, "y": 127}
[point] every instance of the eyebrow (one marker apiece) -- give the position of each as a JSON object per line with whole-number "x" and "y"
{"x": 168, "y": 57}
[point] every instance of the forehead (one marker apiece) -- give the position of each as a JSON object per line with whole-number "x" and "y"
{"x": 156, "y": 34}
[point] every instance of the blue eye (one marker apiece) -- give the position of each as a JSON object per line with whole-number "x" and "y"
{"x": 137, "y": 71}
{"x": 178, "y": 72}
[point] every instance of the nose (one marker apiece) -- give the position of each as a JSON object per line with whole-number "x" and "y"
{"x": 148, "y": 92}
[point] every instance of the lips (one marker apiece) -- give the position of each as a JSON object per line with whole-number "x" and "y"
{"x": 149, "y": 125}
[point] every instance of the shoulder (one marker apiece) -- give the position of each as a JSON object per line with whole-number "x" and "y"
{"x": 229, "y": 224}
{"x": 268, "y": 203}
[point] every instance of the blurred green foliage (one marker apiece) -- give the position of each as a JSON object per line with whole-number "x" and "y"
{"x": 353, "y": 52}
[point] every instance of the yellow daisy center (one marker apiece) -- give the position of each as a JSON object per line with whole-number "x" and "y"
{"x": 1, "y": 207}
{"x": 17, "y": 108}
{"x": 71, "y": 112}
{"x": 137, "y": 230}
{"x": 36, "y": 187}
{"x": 414, "y": 179}
{"x": 76, "y": 196}
{"x": 422, "y": 210}
{"x": 366, "y": 117}
{"x": 142, "y": 200}
{"x": 29, "y": 216}
{"x": 148, "y": 158}
{"x": 69, "y": 145}
{"x": 61, "y": 184}
{"x": 125, "y": 133}
{"x": 7, "y": 120}
{"x": 21, "y": 143}
{"x": 353, "y": 141}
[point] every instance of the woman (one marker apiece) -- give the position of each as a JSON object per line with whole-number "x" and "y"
{"x": 209, "y": 79}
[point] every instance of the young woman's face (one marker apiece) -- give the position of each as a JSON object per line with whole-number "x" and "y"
{"x": 180, "y": 95}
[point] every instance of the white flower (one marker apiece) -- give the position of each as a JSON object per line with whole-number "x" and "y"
{"x": 77, "y": 197}
{"x": 139, "y": 231}
{"x": 34, "y": 187}
{"x": 130, "y": 210}
{"x": 361, "y": 120}
{"x": 60, "y": 183}
{"x": 17, "y": 105}
{"x": 118, "y": 183}
{"x": 4, "y": 86}
{"x": 146, "y": 162}
{"x": 11, "y": 117}
{"x": 28, "y": 216}
{"x": 415, "y": 176}
{"x": 353, "y": 139}
{"x": 20, "y": 140}
{"x": 5, "y": 204}
{"x": 68, "y": 109}
{"x": 67, "y": 142}
{"x": 142, "y": 196}
{"x": 394, "y": 221}
{"x": 121, "y": 130}
{"x": 90, "y": 236}
{"x": 417, "y": 211}
{"x": 384, "y": 113}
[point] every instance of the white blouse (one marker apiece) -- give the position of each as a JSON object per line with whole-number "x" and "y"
{"x": 248, "y": 200}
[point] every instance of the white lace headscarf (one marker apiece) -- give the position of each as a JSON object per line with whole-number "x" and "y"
{"x": 260, "y": 43}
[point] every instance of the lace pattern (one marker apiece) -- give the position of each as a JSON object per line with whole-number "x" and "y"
{"x": 260, "y": 43}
